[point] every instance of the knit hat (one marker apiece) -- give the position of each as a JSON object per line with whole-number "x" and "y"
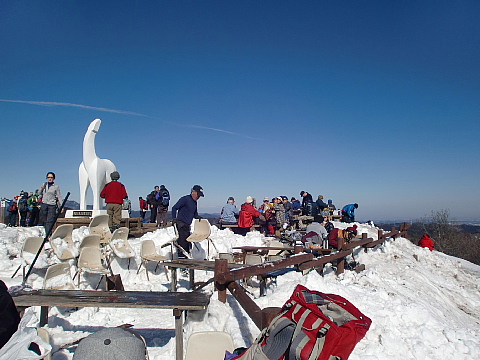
{"x": 249, "y": 200}
{"x": 111, "y": 344}
{"x": 115, "y": 175}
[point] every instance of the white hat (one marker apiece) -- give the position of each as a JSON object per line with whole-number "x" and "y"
{"x": 249, "y": 199}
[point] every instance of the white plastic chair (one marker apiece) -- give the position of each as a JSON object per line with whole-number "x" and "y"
{"x": 148, "y": 252}
{"x": 274, "y": 255}
{"x": 201, "y": 231}
{"x": 90, "y": 260}
{"x": 58, "y": 277}
{"x": 62, "y": 243}
{"x": 227, "y": 256}
{"x": 120, "y": 245}
{"x": 208, "y": 345}
{"x": 92, "y": 240}
{"x": 99, "y": 225}
{"x": 45, "y": 336}
{"x": 29, "y": 250}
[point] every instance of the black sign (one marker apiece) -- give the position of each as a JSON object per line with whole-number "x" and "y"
{"x": 82, "y": 213}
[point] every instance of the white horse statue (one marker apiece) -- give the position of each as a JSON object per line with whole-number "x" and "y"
{"x": 93, "y": 171}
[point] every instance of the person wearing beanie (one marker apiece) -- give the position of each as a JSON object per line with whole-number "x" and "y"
{"x": 247, "y": 213}
{"x": 348, "y": 213}
{"x": 230, "y": 213}
{"x": 183, "y": 213}
{"x": 114, "y": 192}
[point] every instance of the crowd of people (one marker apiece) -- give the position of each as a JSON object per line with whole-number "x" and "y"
{"x": 35, "y": 208}
{"x": 279, "y": 212}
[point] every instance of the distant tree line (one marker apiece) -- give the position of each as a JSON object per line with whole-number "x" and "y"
{"x": 450, "y": 239}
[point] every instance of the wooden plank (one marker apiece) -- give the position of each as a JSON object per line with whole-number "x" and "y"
{"x": 259, "y": 269}
{"x": 324, "y": 259}
{"x": 115, "y": 299}
{"x": 197, "y": 264}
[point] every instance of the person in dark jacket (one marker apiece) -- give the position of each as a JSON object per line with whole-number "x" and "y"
{"x": 321, "y": 204}
{"x": 114, "y": 192}
{"x": 306, "y": 198}
{"x": 163, "y": 200}
{"x": 152, "y": 203}
{"x": 183, "y": 213}
{"x": 9, "y": 318}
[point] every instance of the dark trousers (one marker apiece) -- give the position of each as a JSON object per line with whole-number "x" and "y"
{"x": 48, "y": 213}
{"x": 34, "y": 216}
{"x": 346, "y": 218}
{"x": 153, "y": 213}
{"x": 12, "y": 218}
{"x": 183, "y": 233}
{"x": 23, "y": 218}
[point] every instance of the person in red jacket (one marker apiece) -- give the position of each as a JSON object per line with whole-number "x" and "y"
{"x": 247, "y": 213}
{"x": 114, "y": 192}
{"x": 426, "y": 242}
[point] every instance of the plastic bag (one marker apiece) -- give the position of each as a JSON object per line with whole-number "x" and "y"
{"x": 17, "y": 347}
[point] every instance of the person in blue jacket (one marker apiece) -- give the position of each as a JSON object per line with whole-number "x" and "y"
{"x": 183, "y": 213}
{"x": 229, "y": 214}
{"x": 348, "y": 213}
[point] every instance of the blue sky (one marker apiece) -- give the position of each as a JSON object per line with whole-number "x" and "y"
{"x": 374, "y": 102}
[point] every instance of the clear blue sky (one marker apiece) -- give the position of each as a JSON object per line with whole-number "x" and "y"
{"x": 374, "y": 102}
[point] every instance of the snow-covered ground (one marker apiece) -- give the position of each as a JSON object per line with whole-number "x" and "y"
{"x": 423, "y": 305}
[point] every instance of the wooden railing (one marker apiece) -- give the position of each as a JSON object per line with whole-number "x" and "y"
{"x": 226, "y": 279}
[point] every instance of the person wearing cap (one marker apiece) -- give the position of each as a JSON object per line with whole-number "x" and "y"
{"x": 183, "y": 213}
{"x": 306, "y": 199}
{"x": 348, "y": 213}
{"x": 229, "y": 213}
{"x": 247, "y": 213}
{"x": 114, "y": 192}
{"x": 51, "y": 197}
{"x": 112, "y": 344}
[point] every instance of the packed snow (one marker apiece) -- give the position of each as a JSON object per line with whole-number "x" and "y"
{"x": 423, "y": 305}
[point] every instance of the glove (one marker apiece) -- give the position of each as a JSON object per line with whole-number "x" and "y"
{"x": 174, "y": 221}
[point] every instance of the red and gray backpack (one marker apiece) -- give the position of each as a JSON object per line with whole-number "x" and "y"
{"x": 311, "y": 326}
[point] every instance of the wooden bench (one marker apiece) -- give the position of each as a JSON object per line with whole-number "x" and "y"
{"x": 177, "y": 301}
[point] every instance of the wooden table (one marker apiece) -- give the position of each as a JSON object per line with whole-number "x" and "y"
{"x": 192, "y": 265}
{"x": 177, "y": 301}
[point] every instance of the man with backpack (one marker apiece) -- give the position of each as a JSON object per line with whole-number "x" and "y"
{"x": 34, "y": 207}
{"x": 152, "y": 204}
{"x": 163, "y": 200}
{"x": 23, "y": 208}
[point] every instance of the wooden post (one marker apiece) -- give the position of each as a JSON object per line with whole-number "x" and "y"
{"x": 178, "y": 334}
{"x": 297, "y": 249}
{"x": 221, "y": 266}
{"x": 341, "y": 261}
{"x": 174, "y": 278}
{"x": 268, "y": 314}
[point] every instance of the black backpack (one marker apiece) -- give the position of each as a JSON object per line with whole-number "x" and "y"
{"x": 22, "y": 205}
{"x": 165, "y": 198}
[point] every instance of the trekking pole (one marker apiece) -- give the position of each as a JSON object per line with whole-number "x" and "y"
{"x": 45, "y": 239}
